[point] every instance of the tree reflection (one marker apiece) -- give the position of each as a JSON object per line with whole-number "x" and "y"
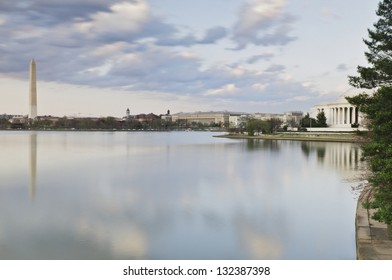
{"x": 260, "y": 144}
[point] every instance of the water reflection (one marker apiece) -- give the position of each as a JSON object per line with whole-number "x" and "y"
{"x": 255, "y": 144}
{"x": 310, "y": 147}
{"x": 260, "y": 245}
{"x": 341, "y": 156}
{"x": 176, "y": 196}
{"x": 33, "y": 164}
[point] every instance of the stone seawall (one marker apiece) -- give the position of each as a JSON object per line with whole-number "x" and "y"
{"x": 373, "y": 239}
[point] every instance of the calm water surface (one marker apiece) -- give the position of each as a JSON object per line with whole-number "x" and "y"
{"x": 175, "y": 195}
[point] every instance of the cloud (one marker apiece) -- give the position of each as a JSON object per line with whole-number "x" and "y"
{"x": 156, "y": 68}
{"x": 123, "y": 18}
{"x": 342, "y": 67}
{"x": 93, "y": 22}
{"x": 263, "y": 22}
{"x": 256, "y": 58}
{"x": 213, "y": 34}
{"x": 123, "y": 45}
{"x": 2, "y": 20}
{"x": 186, "y": 41}
{"x": 227, "y": 89}
{"x": 91, "y": 28}
{"x": 329, "y": 13}
{"x": 259, "y": 86}
{"x": 275, "y": 68}
{"x": 44, "y": 12}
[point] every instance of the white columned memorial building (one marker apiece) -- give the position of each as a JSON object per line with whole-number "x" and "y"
{"x": 341, "y": 115}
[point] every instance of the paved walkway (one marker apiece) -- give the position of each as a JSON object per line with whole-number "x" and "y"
{"x": 374, "y": 239}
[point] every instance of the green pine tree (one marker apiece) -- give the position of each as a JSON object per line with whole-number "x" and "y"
{"x": 378, "y": 109}
{"x": 321, "y": 119}
{"x": 379, "y": 54}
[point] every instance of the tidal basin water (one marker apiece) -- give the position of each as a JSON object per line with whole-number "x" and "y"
{"x": 174, "y": 195}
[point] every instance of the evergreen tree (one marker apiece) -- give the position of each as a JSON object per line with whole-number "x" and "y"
{"x": 378, "y": 109}
{"x": 379, "y": 55}
{"x": 307, "y": 121}
{"x": 321, "y": 119}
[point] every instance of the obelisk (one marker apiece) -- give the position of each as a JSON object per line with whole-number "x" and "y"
{"x": 33, "y": 90}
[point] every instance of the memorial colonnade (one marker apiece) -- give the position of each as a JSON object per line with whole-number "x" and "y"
{"x": 340, "y": 115}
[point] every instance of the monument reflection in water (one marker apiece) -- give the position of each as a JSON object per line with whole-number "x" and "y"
{"x": 175, "y": 195}
{"x": 33, "y": 163}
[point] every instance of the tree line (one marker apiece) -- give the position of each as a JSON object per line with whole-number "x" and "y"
{"x": 319, "y": 121}
{"x": 105, "y": 123}
{"x": 269, "y": 126}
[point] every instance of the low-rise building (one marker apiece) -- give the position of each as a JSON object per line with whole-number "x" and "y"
{"x": 18, "y": 119}
{"x": 206, "y": 118}
{"x": 6, "y": 117}
{"x": 146, "y": 117}
{"x": 237, "y": 120}
{"x": 167, "y": 117}
{"x": 266, "y": 116}
{"x": 48, "y": 118}
{"x": 290, "y": 119}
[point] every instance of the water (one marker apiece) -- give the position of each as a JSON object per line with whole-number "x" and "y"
{"x": 174, "y": 195}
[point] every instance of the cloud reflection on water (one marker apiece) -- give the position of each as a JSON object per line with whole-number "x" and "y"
{"x": 170, "y": 196}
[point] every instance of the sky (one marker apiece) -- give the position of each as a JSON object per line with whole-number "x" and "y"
{"x": 100, "y": 57}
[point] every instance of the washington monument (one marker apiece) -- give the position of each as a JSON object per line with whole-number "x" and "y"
{"x": 33, "y": 90}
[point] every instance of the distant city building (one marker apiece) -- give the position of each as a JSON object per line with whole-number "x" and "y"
{"x": 167, "y": 117}
{"x": 18, "y": 119}
{"x": 50, "y": 118}
{"x": 6, "y": 117}
{"x": 127, "y": 116}
{"x": 206, "y": 118}
{"x": 266, "y": 116}
{"x": 148, "y": 117}
{"x": 237, "y": 120}
{"x": 290, "y": 119}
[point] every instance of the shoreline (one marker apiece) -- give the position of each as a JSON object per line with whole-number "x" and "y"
{"x": 373, "y": 239}
{"x": 313, "y": 137}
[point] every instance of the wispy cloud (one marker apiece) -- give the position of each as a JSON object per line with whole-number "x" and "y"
{"x": 263, "y": 22}
{"x": 329, "y": 13}
{"x": 342, "y": 67}
{"x": 225, "y": 90}
{"x": 256, "y": 58}
{"x": 213, "y": 34}
{"x": 275, "y": 68}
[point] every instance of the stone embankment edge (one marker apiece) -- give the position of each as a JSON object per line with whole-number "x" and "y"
{"x": 373, "y": 239}
{"x": 363, "y": 238}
